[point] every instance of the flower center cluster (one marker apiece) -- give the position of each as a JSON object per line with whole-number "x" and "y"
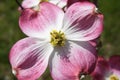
{"x": 57, "y": 38}
{"x": 114, "y": 77}
{"x": 43, "y": 0}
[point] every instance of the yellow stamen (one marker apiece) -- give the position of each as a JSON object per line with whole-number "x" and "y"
{"x": 114, "y": 77}
{"x": 57, "y": 38}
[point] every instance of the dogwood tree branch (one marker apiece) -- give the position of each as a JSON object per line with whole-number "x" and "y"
{"x": 95, "y": 2}
{"x": 19, "y": 4}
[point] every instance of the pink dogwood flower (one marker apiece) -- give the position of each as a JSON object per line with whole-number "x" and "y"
{"x": 107, "y": 69}
{"x": 57, "y": 39}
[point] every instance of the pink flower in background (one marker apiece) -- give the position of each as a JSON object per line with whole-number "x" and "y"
{"x": 107, "y": 70}
{"x": 35, "y": 3}
{"x": 61, "y": 3}
{"x": 57, "y": 39}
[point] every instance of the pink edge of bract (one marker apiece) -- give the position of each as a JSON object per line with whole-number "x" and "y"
{"x": 114, "y": 62}
{"x": 101, "y": 70}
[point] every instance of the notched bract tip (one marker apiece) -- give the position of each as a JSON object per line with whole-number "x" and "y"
{"x": 96, "y": 10}
{"x": 14, "y": 71}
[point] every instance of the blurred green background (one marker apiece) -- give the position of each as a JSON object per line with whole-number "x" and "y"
{"x": 10, "y": 33}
